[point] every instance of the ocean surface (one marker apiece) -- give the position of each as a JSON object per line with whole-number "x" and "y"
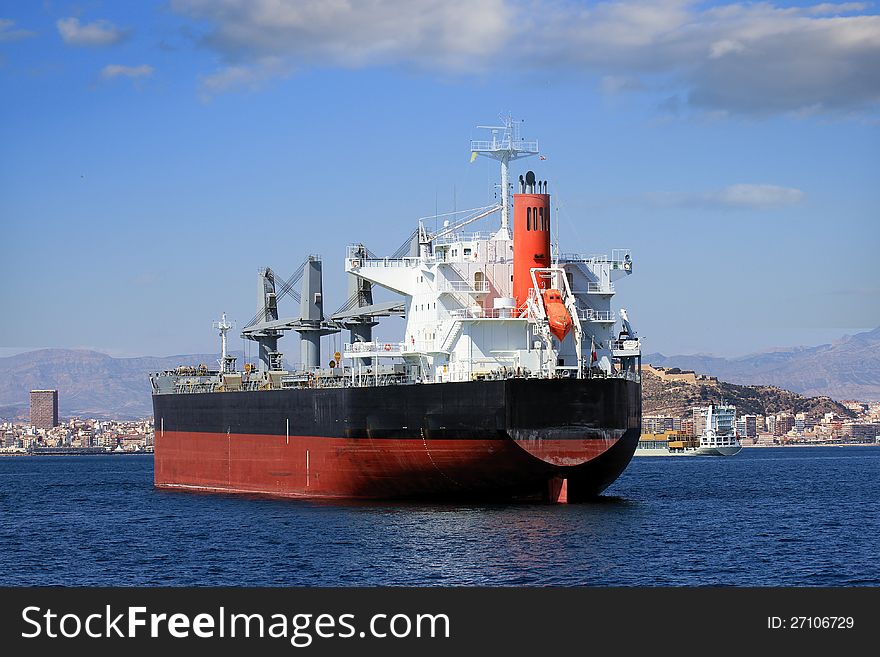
{"x": 767, "y": 517}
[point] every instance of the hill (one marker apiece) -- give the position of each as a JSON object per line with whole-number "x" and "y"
{"x": 676, "y": 399}
{"x": 846, "y": 369}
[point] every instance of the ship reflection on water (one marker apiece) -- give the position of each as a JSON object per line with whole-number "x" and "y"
{"x": 508, "y": 545}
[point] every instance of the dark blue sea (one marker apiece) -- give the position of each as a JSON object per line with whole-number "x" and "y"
{"x": 767, "y": 517}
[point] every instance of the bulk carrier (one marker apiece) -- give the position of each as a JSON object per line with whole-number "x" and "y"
{"x": 512, "y": 380}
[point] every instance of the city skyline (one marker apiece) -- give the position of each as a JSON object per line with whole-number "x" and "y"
{"x": 157, "y": 154}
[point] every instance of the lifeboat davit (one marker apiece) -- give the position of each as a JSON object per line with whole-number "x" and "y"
{"x": 557, "y": 314}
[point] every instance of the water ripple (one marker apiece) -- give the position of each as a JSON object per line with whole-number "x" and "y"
{"x": 768, "y": 517}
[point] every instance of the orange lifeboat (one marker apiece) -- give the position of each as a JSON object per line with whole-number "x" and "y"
{"x": 557, "y": 314}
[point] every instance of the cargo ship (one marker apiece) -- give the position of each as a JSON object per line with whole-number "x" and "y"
{"x": 717, "y": 436}
{"x": 510, "y": 380}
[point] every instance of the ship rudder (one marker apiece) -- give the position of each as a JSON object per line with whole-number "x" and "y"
{"x": 557, "y": 490}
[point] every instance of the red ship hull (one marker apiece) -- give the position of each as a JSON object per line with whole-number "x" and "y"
{"x": 316, "y": 466}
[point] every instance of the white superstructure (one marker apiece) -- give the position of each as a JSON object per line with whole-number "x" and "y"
{"x": 463, "y": 321}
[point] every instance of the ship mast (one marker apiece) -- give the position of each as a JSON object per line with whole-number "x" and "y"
{"x": 227, "y": 363}
{"x": 506, "y": 145}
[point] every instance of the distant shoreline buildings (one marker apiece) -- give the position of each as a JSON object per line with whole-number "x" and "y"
{"x": 78, "y": 435}
{"x": 47, "y": 435}
{"x": 781, "y": 428}
{"x": 785, "y": 428}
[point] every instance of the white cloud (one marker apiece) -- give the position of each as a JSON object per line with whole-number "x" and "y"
{"x": 757, "y": 196}
{"x": 837, "y": 8}
{"x": 239, "y": 77}
{"x": 740, "y": 196}
{"x": 739, "y": 58}
{"x": 97, "y": 33}
{"x": 724, "y": 47}
{"x": 9, "y": 33}
{"x": 615, "y": 84}
{"x": 446, "y": 34}
{"x": 745, "y": 58}
{"x": 117, "y": 70}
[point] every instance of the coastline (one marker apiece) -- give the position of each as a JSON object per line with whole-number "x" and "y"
{"x": 813, "y": 445}
{"x": 76, "y": 453}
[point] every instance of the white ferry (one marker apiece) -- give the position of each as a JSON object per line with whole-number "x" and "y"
{"x": 716, "y": 426}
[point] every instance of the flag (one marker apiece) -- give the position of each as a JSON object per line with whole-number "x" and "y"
{"x": 593, "y": 357}
{"x": 543, "y": 158}
{"x": 473, "y": 155}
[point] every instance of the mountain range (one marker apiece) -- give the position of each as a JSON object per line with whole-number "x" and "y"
{"x": 93, "y": 384}
{"x": 848, "y": 368}
{"x": 89, "y": 383}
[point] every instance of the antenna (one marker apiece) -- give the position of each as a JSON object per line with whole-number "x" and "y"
{"x": 506, "y": 145}
{"x": 554, "y": 216}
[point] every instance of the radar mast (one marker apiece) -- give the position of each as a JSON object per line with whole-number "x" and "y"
{"x": 505, "y": 146}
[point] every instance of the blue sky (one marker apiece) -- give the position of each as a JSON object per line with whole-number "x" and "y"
{"x": 155, "y": 154}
